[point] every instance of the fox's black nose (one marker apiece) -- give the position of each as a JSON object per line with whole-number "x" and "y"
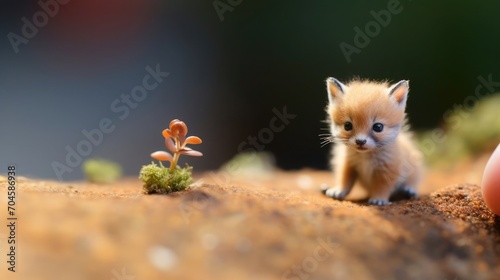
{"x": 360, "y": 142}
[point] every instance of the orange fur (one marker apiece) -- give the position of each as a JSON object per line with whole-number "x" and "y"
{"x": 384, "y": 161}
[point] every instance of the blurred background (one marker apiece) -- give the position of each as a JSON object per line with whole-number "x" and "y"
{"x": 62, "y": 66}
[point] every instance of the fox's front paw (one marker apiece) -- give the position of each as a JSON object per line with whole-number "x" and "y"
{"x": 335, "y": 192}
{"x": 378, "y": 202}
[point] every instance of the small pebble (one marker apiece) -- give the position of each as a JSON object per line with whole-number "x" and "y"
{"x": 305, "y": 181}
{"x": 162, "y": 257}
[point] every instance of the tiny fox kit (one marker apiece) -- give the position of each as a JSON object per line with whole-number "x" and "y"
{"x": 373, "y": 145}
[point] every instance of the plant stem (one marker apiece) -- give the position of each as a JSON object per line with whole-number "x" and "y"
{"x": 173, "y": 164}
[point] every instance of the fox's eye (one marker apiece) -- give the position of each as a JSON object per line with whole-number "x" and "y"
{"x": 348, "y": 126}
{"x": 378, "y": 127}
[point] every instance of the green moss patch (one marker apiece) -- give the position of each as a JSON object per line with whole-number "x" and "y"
{"x": 158, "y": 178}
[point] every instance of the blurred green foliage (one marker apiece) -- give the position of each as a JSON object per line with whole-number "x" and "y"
{"x": 101, "y": 171}
{"x": 468, "y": 132}
{"x": 250, "y": 164}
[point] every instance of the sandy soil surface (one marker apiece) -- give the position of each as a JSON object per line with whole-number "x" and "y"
{"x": 268, "y": 226}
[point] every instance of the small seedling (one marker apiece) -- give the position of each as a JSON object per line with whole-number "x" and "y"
{"x": 160, "y": 179}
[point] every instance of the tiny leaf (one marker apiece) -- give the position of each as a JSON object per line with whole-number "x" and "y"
{"x": 162, "y": 156}
{"x": 170, "y": 145}
{"x": 167, "y": 133}
{"x": 193, "y": 140}
{"x": 178, "y": 128}
{"x": 191, "y": 153}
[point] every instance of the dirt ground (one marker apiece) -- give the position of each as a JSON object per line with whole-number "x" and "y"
{"x": 267, "y": 226}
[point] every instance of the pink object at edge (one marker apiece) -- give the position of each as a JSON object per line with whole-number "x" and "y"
{"x": 491, "y": 182}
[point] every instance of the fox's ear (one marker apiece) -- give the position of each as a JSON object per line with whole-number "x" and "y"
{"x": 335, "y": 89}
{"x": 399, "y": 92}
